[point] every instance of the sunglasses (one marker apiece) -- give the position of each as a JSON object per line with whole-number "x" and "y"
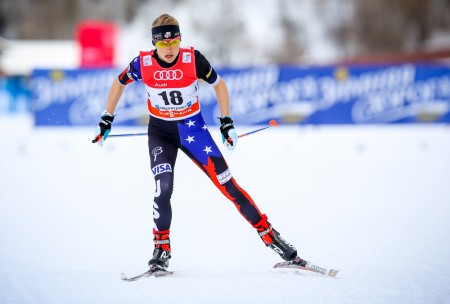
{"x": 165, "y": 43}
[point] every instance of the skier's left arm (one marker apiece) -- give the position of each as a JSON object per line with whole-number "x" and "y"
{"x": 206, "y": 72}
{"x": 229, "y": 135}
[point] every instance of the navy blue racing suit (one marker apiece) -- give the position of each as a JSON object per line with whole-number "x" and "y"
{"x": 191, "y": 136}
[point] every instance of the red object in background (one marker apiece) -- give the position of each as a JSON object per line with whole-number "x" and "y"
{"x": 97, "y": 40}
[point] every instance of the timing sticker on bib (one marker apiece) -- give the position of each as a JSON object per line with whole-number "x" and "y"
{"x": 147, "y": 60}
{"x": 187, "y": 58}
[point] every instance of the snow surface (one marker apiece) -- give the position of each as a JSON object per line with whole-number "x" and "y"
{"x": 372, "y": 201}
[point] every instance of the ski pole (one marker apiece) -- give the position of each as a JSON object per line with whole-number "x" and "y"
{"x": 272, "y": 123}
{"x": 127, "y": 134}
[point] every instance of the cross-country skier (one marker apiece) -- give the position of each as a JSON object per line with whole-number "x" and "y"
{"x": 170, "y": 74}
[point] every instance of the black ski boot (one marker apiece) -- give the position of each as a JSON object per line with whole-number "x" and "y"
{"x": 161, "y": 254}
{"x": 272, "y": 239}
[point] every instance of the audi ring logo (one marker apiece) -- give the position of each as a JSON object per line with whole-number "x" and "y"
{"x": 168, "y": 75}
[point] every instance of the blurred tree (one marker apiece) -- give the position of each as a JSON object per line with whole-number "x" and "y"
{"x": 354, "y": 26}
{"x": 228, "y": 33}
{"x": 56, "y": 19}
{"x": 382, "y": 26}
{"x": 291, "y": 32}
{"x": 222, "y": 31}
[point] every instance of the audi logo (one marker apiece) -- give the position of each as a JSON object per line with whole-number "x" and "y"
{"x": 168, "y": 75}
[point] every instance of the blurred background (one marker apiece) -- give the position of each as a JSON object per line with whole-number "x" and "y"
{"x": 285, "y": 58}
{"x": 239, "y": 33}
{"x": 356, "y": 175}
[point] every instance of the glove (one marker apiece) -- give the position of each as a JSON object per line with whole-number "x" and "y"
{"x": 104, "y": 127}
{"x": 229, "y": 135}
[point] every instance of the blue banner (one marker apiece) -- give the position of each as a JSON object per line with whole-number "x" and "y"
{"x": 290, "y": 94}
{"x": 78, "y": 97}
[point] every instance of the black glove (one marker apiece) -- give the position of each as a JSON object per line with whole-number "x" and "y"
{"x": 104, "y": 127}
{"x": 229, "y": 135}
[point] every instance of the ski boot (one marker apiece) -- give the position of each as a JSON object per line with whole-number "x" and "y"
{"x": 272, "y": 239}
{"x": 161, "y": 253}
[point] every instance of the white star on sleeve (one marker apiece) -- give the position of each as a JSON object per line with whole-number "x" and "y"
{"x": 190, "y": 139}
{"x": 204, "y": 127}
{"x": 191, "y": 123}
{"x": 207, "y": 149}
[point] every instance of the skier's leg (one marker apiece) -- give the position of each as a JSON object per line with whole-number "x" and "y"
{"x": 201, "y": 148}
{"x": 198, "y": 145}
{"x": 163, "y": 155}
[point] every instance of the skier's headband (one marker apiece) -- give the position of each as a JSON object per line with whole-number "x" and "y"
{"x": 163, "y": 32}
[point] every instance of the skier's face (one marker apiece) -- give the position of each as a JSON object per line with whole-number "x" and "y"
{"x": 168, "y": 49}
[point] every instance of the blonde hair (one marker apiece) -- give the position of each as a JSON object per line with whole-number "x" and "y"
{"x": 165, "y": 19}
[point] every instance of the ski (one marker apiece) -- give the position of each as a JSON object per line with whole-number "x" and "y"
{"x": 299, "y": 263}
{"x": 149, "y": 273}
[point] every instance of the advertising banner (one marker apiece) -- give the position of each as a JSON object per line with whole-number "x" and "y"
{"x": 78, "y": 97}
{"x": 290, "y": 94}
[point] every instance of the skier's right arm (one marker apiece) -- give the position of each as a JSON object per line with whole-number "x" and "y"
{"x": 130, "y": 74}
{"x": 107, "y": 117}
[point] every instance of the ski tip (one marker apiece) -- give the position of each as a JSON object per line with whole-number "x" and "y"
{"x": 280, "y": 264}
{"x": 333, "y": 273}
{"x": 123, "y": 277}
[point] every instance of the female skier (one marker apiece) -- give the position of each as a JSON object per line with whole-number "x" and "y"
{"x": 170, "y": 74}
